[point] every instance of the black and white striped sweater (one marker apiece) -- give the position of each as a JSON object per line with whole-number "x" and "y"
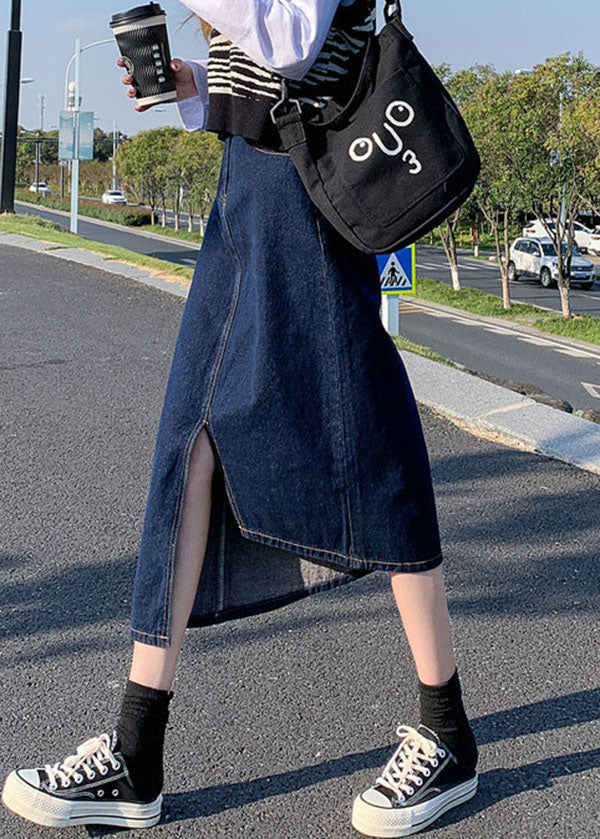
{"x": 242, "y": 92}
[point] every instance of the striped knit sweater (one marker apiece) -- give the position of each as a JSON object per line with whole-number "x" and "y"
{"x": 242, "y": 92}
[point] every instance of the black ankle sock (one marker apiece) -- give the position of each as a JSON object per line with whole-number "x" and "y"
{"x": 141, "y": 734}
{"x": 442, "y": 711}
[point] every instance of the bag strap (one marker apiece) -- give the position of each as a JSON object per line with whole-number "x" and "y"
{"x": 286, "y": 113}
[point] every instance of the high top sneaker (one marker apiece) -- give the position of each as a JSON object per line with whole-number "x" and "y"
{"x": 421, "y": 781}
{"x": 92, "y": 786}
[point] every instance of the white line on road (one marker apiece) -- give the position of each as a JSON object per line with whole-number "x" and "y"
{"x": 548, "y": 343}
{"x": 593, "y": 390}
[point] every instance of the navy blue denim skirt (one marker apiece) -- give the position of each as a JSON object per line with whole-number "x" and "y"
{"x": 321, "y": 470}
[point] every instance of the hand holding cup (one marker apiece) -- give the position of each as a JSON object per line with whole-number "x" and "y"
{"x": 184, "y": 82}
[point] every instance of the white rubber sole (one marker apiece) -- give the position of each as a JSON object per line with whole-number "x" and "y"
{"x": 24, "y": 800}
{"x": 391, "y": 824}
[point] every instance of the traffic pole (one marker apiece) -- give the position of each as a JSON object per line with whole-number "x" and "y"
{"x": 75, "y": 162}
{"x": 12, "y": 76}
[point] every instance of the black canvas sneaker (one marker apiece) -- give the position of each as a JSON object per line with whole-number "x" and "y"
{"x": 421, "y": 781}
{"x": 90, "y": 787}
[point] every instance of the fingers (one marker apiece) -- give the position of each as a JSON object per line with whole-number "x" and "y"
{"x": 126, "y": 78}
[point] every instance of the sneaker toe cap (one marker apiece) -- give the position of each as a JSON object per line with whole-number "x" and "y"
{"x": 29, "y": 776}
{"x": 375, "y": 798}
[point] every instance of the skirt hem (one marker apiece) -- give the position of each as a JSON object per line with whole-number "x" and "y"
{"x": 324, "y": 555}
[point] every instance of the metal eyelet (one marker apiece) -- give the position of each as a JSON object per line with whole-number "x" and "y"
{"x": 91, "y": 776}
{"x": 115, "y": 792}
{"x": 436, "y": 762}
{"x": 104, "y": 770}
{"x": 117, "y": 766}
{"x": 442, "y": 753}
{"x": 100, "y": 793}
{"x": 419, "y": 782}
{"x": 410, "y": 791}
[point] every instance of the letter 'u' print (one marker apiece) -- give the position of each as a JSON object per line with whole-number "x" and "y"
{"x": 400, "y": 114}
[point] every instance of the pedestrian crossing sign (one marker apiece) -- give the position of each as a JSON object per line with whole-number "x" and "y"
{"x": 397, "y": 271}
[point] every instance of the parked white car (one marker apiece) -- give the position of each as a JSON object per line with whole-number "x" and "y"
{"x": 537, "y": 258}
{"x": 42, "y": 188}
{"x": 582, "y": 233}
{"x": 113, "y": 196}
{"x": 594, "y": 242}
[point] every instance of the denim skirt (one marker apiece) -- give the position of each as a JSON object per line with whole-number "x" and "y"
{"x": 321, "y": 469}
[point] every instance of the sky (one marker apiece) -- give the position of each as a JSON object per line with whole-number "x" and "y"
{"x": 510, "y": 34}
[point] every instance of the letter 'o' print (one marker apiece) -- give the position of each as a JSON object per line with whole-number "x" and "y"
{"x": 405, "y": 116}
{"x": 361, "y": 149}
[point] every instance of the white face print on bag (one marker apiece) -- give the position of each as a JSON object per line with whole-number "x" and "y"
{"x": 400, "y": 114}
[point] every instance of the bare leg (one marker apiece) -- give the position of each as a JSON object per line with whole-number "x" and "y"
{"x": 423, "y": 607}
{"x": 155, "y": 666}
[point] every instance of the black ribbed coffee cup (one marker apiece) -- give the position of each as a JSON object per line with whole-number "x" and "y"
{"x": 142, "y": 38}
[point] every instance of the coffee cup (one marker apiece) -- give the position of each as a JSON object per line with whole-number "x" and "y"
{"x": 142, "y": 38}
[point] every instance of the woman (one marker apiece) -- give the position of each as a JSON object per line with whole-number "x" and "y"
{"x": 289, "y": 457}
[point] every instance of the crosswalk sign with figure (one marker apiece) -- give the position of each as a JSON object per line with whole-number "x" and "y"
{"x": 397, "y": 271}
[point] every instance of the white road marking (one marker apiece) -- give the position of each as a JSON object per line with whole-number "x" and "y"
{"x": 593, "y": 390}
{"x": 519, "y": 336}
{"x": 575, "y": 353}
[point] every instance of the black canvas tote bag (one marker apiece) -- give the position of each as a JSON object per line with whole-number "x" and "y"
{"x": 395, "y": 159}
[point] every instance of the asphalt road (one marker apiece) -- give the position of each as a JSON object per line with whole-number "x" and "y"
{"x": 560, "y": 369}
{"x": 180, "y": 252}
{"x": 278, "y": 720}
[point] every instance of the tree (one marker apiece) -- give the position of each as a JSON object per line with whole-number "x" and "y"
{"x": 497, "y": 192}
{"x": 199, "y": 155}
{"x": 462, "y": 86}
{"x": 145, "y": 165}
{"x": 549, "y": 154}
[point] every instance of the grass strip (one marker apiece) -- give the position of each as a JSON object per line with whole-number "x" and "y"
{"x": 48, "y": 231}
{"x": 579, "y": 327}
{"x": 418, "y": 349}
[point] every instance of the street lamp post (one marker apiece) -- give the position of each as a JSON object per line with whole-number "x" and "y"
{"x": 76, "y": 57}
{"x": 14, "y": 44}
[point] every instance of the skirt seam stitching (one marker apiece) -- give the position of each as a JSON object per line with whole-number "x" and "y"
{"x": 348, "y": 514}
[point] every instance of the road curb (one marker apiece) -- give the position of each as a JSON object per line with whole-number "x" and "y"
{"x": 95, "y": 260}
{"x": 484, "y": 408}
{"x": 490, "y": 410}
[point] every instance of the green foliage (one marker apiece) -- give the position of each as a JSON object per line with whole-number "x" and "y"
{"x": 538, "y": 135}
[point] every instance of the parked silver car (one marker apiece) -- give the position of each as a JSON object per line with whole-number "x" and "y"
{"x": 536, "y": 257}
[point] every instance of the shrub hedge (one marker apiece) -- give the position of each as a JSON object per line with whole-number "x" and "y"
{"x": 119, "y": 214}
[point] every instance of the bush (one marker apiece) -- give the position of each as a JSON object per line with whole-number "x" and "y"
{"x": 130, "y": 216}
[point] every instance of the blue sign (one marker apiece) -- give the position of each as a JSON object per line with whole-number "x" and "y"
{"x": 397, "y": 271}
{"x": 86, "y": 135}
{"x": 66, "y": 135}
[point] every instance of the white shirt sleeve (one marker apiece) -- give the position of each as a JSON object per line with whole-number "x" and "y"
{"x": 193, "y": 112}
{"x": 284, "y": 36}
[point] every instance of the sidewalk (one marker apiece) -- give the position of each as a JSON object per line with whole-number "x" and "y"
{"x": 279, "y": 720}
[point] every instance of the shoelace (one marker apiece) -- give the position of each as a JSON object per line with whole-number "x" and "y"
{"x": 92, "y": 756}
{"x": 412, "y": 760}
